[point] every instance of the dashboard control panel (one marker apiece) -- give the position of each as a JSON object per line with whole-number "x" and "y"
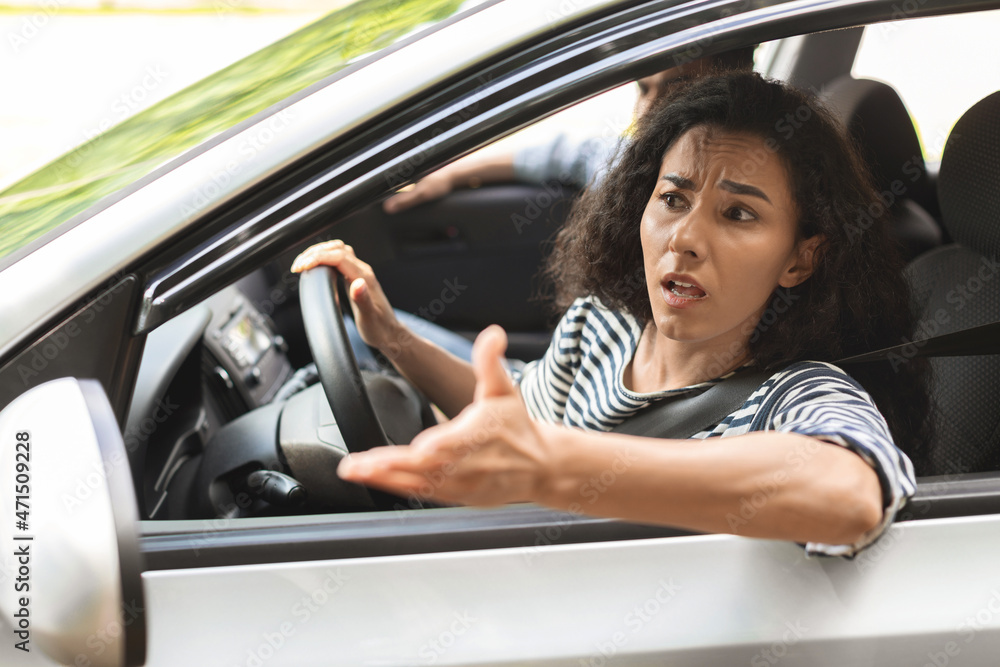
{"x": 250, "y": 357}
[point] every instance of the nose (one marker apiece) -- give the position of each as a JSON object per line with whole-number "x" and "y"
{"x": 689, "y": 234}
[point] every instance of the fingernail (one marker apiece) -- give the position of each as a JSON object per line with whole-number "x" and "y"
{"x": 346, "y": 467}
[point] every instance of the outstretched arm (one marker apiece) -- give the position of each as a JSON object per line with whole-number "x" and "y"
{"x": 767, "y": 484}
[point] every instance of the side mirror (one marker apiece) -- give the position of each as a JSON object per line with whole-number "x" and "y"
{"x": 70, "y": 568}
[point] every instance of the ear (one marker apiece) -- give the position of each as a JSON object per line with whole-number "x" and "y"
{"x": 804, "y": 262}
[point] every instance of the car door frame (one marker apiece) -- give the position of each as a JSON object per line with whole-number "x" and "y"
{"x": 540, "y": 76}
{"x": 173, "y": 280}
{"x": 436, "y": 134}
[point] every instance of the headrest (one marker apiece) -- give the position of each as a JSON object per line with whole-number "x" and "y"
{"x": 879, "y": 122}
{"x": 969, "y": 182}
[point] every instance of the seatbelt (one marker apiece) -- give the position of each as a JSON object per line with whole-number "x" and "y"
{"x": 984, "y": 339}
{"x": 687, "y": 415}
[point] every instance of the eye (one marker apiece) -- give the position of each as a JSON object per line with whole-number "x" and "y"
{"x": 673, "y": 200}
{"x": 741, "y": 214}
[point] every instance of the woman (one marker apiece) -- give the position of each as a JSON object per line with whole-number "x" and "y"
{"x": 724, "y": 237}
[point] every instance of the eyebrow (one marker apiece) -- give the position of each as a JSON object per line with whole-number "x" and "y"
{"x": 679, "y": 181}
{"x": 729, "y": 186}
{"x": 744, "y": 189}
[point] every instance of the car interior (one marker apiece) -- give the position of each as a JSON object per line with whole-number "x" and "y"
{"x": 250, "y": 433}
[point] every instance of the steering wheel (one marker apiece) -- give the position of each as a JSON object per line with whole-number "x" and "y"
{"x": 319, "y": 295}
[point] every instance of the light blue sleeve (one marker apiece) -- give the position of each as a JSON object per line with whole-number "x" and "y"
{"x": 573, "y": 162}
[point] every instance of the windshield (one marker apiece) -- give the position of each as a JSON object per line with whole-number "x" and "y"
{"x": 125, "y": 153}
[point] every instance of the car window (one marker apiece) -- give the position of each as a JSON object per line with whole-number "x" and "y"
{"x": 606, "y": 115}
{"x": 910, "y": 55}
{"x": 134, "y": 148}
{"x": 618, "y": 107}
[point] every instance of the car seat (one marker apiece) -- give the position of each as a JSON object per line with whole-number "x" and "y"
{"x": 958, "y": 286}
{"x": 879, "y": 123}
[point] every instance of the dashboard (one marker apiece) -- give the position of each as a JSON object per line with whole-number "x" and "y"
{"x": 199, "y": 371}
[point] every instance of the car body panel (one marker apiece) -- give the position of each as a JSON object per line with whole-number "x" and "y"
{"x": 543, "y": 598}
{"x": 695, "y": 600}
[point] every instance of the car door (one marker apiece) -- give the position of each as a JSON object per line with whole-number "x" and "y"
{"x": 441, "y": 587}
{"x": 524, "y": 585}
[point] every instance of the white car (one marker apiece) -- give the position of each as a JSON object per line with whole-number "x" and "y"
{"x": 149, "y": 322}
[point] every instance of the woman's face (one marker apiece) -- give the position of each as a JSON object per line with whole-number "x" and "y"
{"x": 718, "y": 235}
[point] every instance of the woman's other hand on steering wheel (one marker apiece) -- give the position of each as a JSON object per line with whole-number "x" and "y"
{"x": 373, "y": 314}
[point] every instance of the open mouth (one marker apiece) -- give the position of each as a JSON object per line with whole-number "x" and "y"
{"x": 685, "y": 290}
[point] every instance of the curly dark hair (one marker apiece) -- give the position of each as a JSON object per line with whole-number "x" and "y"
{"x": 856, "y": 300}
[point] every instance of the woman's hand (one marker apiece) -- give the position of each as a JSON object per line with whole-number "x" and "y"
{"x": 373, "y": 314}
{"x": 492, "y": 453}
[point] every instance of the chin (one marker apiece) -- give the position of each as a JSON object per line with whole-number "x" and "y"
{"x": 669, "y": 325}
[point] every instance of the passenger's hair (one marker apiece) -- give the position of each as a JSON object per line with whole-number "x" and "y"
{"x": 856, "y": 299}
{"x": 737, "y": 59}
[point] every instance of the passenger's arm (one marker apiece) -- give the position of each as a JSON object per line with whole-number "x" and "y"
{"x": 562, "y": 160}
{"x": 470, "y": 171}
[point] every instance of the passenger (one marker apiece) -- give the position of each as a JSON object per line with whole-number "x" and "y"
{"x": 718, "y": 242}
{"x": 572, "y": 162}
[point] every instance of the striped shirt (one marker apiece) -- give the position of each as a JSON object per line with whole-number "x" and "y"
{"x": 578, "y": 382}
